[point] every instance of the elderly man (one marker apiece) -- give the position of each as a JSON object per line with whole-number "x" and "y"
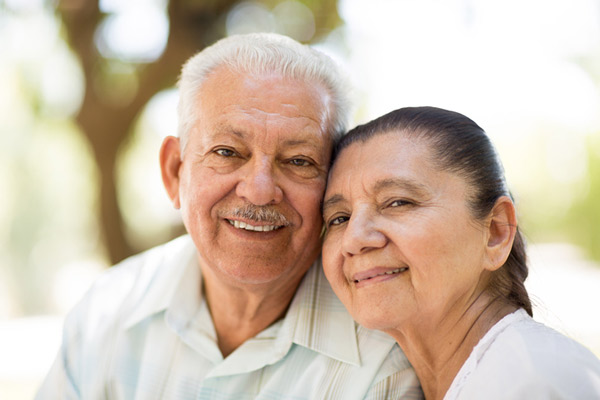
{"x": 239, "y": 308}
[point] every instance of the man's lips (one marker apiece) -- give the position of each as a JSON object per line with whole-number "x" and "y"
{"x": 376, "y": 275}
{"x": 253, "y": 227}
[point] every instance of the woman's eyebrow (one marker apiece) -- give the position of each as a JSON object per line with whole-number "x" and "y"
{"x": 407, "y": 185}
{"x": 332, "y": 201}
{"x": 400, "y": 183}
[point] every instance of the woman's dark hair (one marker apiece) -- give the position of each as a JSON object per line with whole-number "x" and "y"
{"x": 460, "y": 146}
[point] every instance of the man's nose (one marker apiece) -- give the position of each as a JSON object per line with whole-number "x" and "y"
{"x": 259, "y": 184}
{"x": 362, "y": 234}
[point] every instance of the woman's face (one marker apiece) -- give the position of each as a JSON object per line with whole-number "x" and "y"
{"x": 401, "y": 245}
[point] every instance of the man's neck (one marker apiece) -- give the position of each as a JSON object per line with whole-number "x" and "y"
{"x": 240, "y": 313}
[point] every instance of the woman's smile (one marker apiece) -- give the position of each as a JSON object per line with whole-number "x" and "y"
{"x": 376, "y": 275}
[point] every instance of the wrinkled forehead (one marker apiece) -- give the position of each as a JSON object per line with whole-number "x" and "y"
{"x": 381, "y": 144}
{"x": 267, "y": 91}
{"x": 365, "y": 166}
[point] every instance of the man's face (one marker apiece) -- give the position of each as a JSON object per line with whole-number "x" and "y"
{"x": 253, "y": 175}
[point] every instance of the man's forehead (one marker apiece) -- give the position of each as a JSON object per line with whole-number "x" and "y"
{"x": 224, "y": 83}
{"x": 234, "y": 107}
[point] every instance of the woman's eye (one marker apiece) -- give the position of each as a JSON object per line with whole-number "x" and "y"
{"x": 399, "y": 203}
{"x": 225, "y": 152}
{"x": 338, "y": 221}
{"x": 300, "y": 162}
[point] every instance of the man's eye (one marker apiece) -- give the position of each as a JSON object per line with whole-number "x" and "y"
{"x": 300, "y": 162}
{"x": 225, "y": 152}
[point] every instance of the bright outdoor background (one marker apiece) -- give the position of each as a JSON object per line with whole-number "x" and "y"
{"x": 86, "y": 96}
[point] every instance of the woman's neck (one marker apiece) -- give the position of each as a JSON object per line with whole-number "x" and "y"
{"x": 437, "y": 349}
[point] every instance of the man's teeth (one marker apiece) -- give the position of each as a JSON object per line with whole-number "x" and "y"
{"x": 248, "y": 227}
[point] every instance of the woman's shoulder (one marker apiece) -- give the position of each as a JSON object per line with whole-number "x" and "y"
{"x": 534, "y": 344}
{"x": 520, "y": 357}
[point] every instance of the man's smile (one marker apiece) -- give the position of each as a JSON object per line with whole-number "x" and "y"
{"x": 257, "y": 228}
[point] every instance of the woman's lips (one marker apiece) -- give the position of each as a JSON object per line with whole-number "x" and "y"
{"x": 375, "y": 275}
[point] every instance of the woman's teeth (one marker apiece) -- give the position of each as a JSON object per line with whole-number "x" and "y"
{"x": 391, "y": 272}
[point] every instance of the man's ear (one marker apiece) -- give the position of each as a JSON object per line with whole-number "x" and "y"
{"x": 502, "y": 227}
{"x": 170, "y": 163}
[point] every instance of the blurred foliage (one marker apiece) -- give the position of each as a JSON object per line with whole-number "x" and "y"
{"x": 583, "y": 219}
{"x": 557, "y": 187}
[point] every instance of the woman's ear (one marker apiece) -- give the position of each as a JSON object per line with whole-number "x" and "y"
{"x": 170, "y": 163}
{"x": 502, "y": 227}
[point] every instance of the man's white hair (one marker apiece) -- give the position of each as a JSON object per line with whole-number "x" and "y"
{"x": 261, "y": 53}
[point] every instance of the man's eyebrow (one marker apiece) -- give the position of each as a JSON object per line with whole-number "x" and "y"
{"x": 296, "y": 142}
{"x": 400, "y": 183}
{"x": 332, "y": 201}
{"x": 224, "y": 129}
{"x": 309, "y": 144}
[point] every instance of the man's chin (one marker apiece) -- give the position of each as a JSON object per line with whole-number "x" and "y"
{"x": 256, "y": 276}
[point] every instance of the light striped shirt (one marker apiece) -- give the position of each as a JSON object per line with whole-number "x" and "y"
{"x": 144, "y": 331}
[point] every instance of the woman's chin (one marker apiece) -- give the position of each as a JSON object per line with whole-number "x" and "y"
{"x": 375, "y": 322}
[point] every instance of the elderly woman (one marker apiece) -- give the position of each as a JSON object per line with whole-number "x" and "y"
{"x": 422, "y": 243}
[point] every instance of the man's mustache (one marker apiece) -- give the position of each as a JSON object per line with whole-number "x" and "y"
{"x": 258, "y": 214}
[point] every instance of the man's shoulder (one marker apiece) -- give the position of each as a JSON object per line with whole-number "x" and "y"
{"x": 121, "y": 287}
{"x": 140, "y": 270}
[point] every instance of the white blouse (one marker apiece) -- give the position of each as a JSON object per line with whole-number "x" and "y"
{"x": 520, "y": 358}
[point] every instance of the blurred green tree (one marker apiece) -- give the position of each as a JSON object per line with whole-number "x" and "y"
{"x": 582, "y": 222}
{"x": 117, "y": 88}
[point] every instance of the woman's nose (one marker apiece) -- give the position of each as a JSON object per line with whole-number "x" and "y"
{"x": 259, "y": 184}
{"x": 362, "y": 234}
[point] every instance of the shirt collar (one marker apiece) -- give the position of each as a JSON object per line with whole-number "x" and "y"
{"x": 316, "y": 320}
{"x": 321, "y": 321}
